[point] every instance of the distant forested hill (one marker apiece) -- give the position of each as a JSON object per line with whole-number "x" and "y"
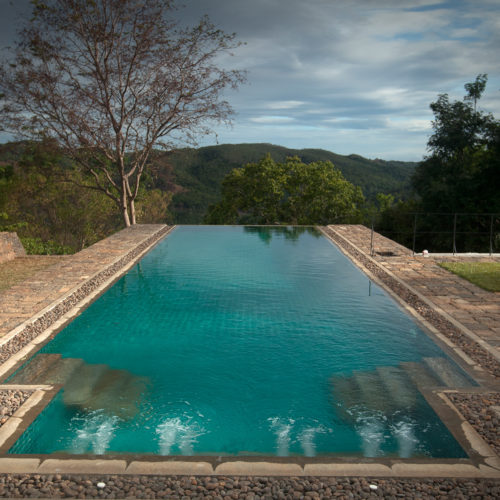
{"x": 195, "y": 175}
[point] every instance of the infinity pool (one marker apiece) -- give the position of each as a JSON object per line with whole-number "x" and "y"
{"x": 240, "y": 340}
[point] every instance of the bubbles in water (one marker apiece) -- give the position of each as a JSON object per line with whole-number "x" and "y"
{"x": 175, "y": 432}
{"x": 282, "y": 429}
{"x": 306, "y": 438}
{"x": 404, "y": 431}
{"x": 95, "y": 433}
{"x": 371, "y": 429}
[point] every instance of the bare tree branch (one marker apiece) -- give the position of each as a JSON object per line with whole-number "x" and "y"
{"x": 109, "y": 80}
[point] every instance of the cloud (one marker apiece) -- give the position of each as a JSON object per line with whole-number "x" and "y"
{"x": 286, "y": 104}
{"x": 272, "y": 119}
{"x": 352, "y": 76}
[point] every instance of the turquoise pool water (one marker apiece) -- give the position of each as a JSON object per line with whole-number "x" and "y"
{"x": 240, "y": 340}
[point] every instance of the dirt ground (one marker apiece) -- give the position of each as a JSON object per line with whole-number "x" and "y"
{"x": 17, "y": 270}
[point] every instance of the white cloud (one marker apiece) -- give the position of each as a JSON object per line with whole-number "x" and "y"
{"x": 286, "y": 104}
{"x": 410, "y": 124}
{"x": 272, "y": 119}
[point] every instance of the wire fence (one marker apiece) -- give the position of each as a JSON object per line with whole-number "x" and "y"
{"x": 442, "y": 232}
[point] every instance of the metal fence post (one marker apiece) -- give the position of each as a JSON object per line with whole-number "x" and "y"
{"x": 371, "y": 241}
{"x": 414, "y": 233}
{"x": 491, "y": 235}
{"x": 454, "y": 234}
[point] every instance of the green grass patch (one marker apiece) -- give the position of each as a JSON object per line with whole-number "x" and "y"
{"x": 483, "y": 274}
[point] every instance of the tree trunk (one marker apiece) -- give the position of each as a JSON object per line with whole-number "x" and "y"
{"x": 132, "y": 212}
{"x": 124, "y": 207}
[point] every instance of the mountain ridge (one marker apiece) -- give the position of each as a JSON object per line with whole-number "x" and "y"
{"x": 195, "y": 174}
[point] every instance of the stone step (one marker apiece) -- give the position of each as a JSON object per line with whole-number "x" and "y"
{"x": 79, "y": 389}
{"x": 345, "y": 392}
{"x": 61, "y": 371}
{"x": 445, "y": 371}
{"x": 117, "y": 392}
{"x": 420, "y": 375}
{"x": 33, "y": 372}
{"x": 373, "y": 394}
{"x": 399, "y": 387}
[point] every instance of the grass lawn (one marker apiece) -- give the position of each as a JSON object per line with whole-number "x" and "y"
{"x": 483, "y": 274}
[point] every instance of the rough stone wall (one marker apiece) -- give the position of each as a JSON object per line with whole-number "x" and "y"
{"x": 10, "y": 247}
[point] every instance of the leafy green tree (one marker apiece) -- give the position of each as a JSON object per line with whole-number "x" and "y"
{"x": 385, "y": 201}
{"x": 317, "y": 193}
{"x": 476, "y": 89}
{"x": 462, "y": 170}
{"x": 45, "y": 203}
{"x": 152, "y": 207}
{"x": 290, "y": 192}
{"x": 43, "y": 199}
{"x": 461, "y": 175}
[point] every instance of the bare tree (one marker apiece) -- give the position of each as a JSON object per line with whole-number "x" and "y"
{"x": 111, "y": 79}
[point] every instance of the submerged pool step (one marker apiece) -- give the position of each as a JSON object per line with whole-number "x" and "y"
{"x": 373, "y": 394}
{"x": 117, "y": 392}
{"x": 346, "y": 394}
{"x": 61, "y": 371}
{"x": 449, "y": 375}
{"x": 420, "y": 375}
{"x": 81, "y": 385}
{"x": 400, "y": 388}
{"x": 33, "y": 372}
{"x": 99, "y": 387}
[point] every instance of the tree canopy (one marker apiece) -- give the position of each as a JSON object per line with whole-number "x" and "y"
{"x": 457, "y": 202}
{"x": 290, "y": 192}
{"x": 41, "y": 198}
{"x": 462, "y": 172}
{"x": 111, "y": 79}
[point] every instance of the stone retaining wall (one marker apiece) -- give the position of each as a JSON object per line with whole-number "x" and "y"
{"x": 10, "y": 247}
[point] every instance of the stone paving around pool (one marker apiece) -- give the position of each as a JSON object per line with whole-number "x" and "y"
{"x": 460, "y": 315}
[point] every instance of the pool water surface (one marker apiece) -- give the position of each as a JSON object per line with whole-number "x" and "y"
{"x": 241, "y": 341}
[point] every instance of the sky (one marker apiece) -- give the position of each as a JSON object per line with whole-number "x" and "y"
{"x": 348, "y": 76}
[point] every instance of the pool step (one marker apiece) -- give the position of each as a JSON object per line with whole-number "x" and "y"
{"x": 110, "y": 390}
{"x": 390, "y": 388}
{"x": 61, "y": 371}
{"x": 387, "y": 389}
{"x": 117, "y": 392}
{"x": 399, "y": 388}
{"x": 372, "y": 393}
{"x": 99, "y": 387}
{"x": 32, "y": 372}
{"x": 420, "y": 375}
{"x": 345, "y": 393}
{"x": 449, "y": 375}
{"x": 80, "y": 387}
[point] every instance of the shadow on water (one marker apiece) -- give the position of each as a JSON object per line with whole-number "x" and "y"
{"x": 291, "y": 233}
